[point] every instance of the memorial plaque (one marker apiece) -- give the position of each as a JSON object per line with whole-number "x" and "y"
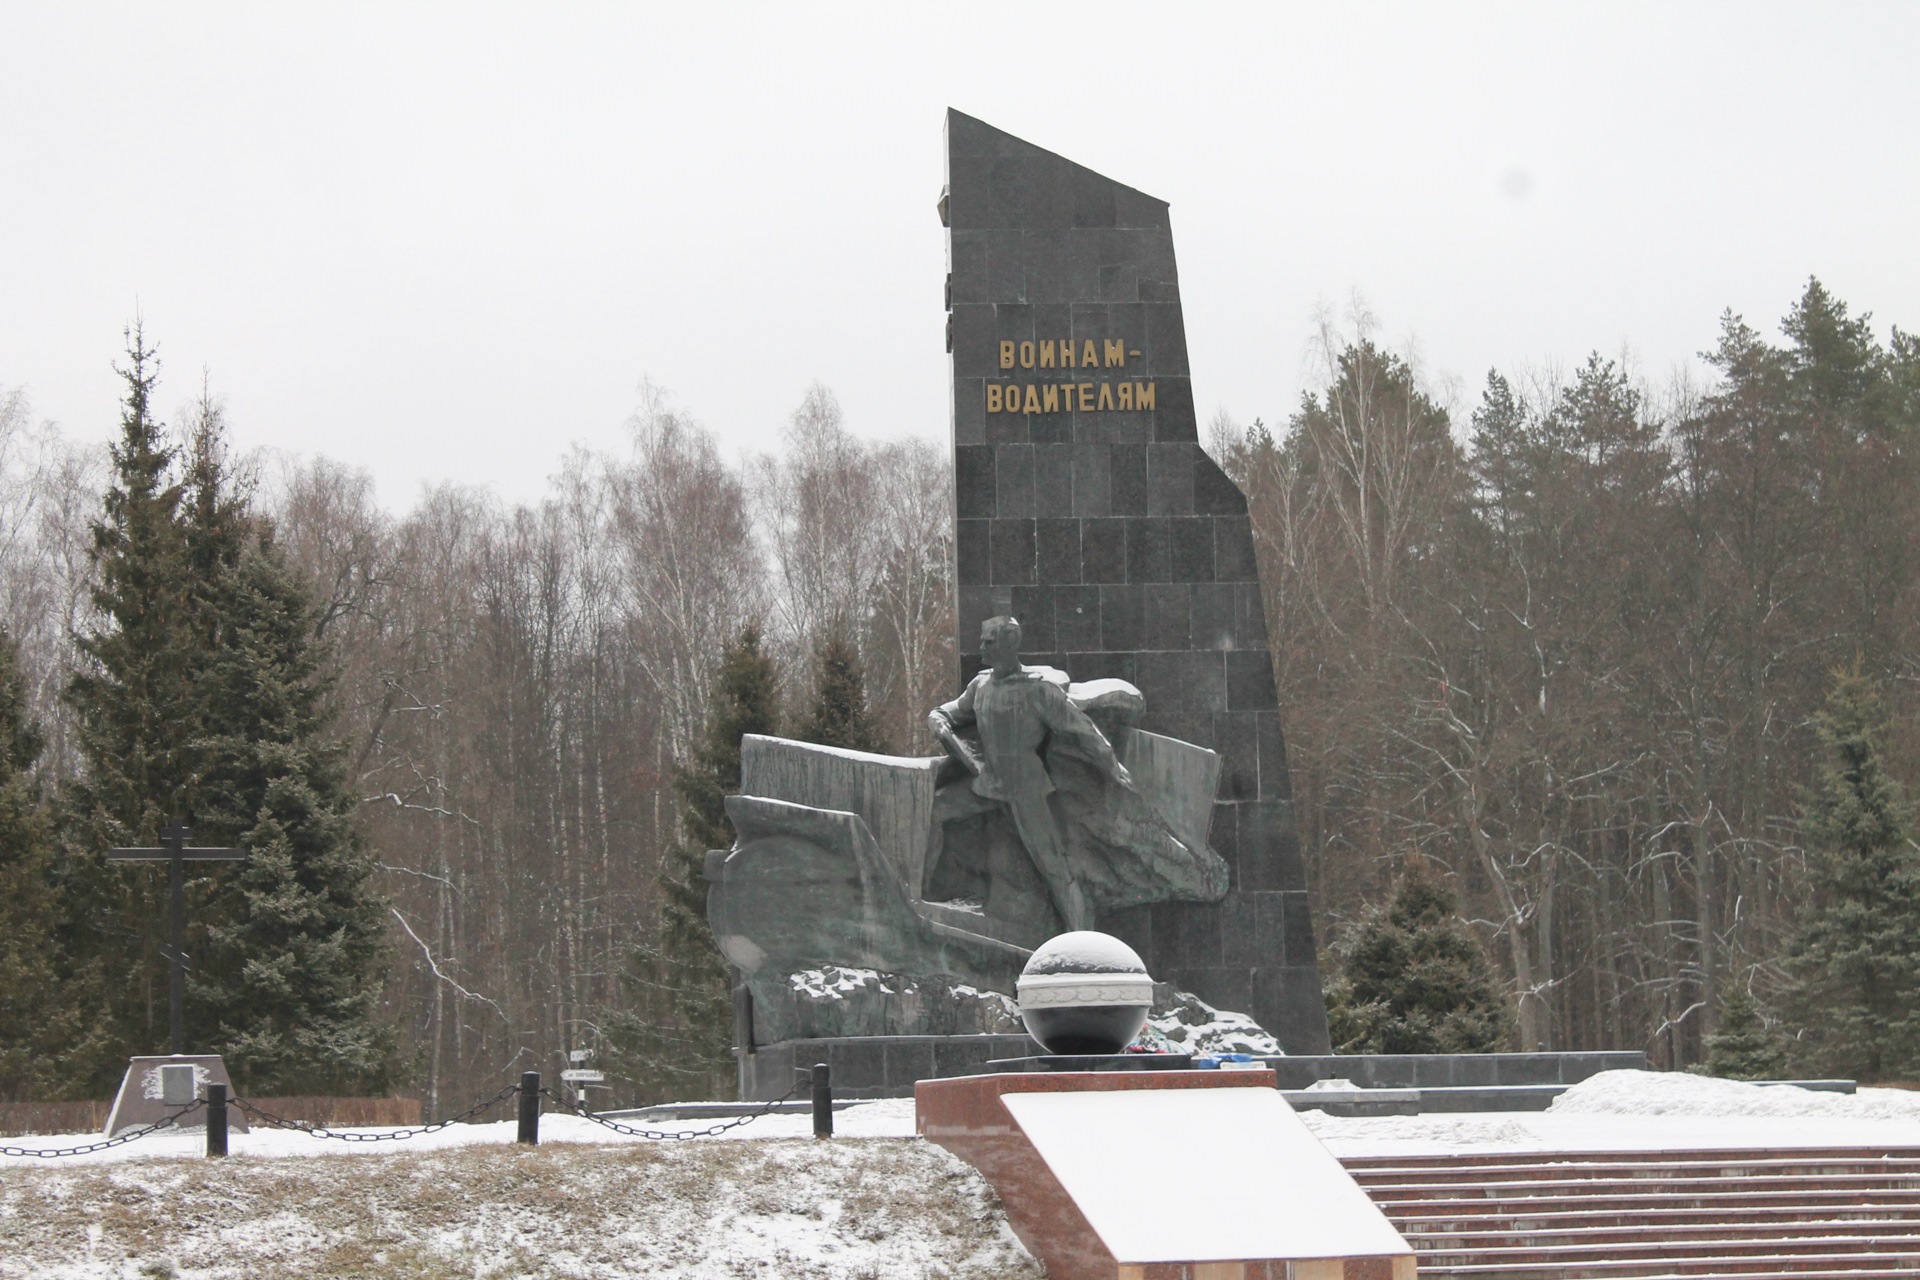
{"x": 1086, "y": 509}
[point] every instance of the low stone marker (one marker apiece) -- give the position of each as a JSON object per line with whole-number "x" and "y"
{"x": 156, "y": 1087}
{"x": 1163, "y": 1175}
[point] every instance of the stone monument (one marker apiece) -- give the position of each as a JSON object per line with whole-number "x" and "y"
{"x": 895, "y": 899}
{"x": 1087, "y": 510}
{"x": 889, "y": 895}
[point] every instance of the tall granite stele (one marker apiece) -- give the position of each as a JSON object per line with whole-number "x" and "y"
{"x": 1086, "y": 509}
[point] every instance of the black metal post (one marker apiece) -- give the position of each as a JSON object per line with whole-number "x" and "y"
{"x": 177, "y": 933}
{"x": 216, "y": 1119}
{"x": 822, "y": 1100}
{"x": 174, "y": 850}
{"x": 530, "y": 1107}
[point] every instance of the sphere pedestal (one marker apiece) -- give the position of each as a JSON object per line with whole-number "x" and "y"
{"x": 1090, "y": 1062}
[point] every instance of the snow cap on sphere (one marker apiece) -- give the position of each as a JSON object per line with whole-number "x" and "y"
{"x": 1083, "y": 951}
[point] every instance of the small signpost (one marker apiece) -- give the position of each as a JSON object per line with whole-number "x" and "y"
{"x": 580, "y": 1077}
{"x": 176, "y": 853}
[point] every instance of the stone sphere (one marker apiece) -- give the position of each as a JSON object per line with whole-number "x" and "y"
{"x": 1085, "y": 993}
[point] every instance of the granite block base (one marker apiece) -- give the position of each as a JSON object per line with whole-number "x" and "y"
{"x": 1451, "y": 1070}
{"x": 1092, "y": 1062}
{"x": 866, "y": 1067}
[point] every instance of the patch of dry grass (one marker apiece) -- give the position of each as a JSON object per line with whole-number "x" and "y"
{"x": 893, "y": 1207}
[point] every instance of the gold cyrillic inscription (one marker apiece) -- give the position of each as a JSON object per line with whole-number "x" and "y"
{"x": 1101, "y": 396}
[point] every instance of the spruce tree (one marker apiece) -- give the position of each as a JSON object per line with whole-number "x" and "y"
{"x": 34, "y": 1024}
{"x": 1855, "y": 957}
{"x": 132, "y": 703}
{"x": 1743, "y": 1047}
{"x": 840, "y": 716}
{"x": 1351, "y": 1027}
{"x": 1417, "y": 980}
{"x": 682, "y": 1046}
{"x": 295, "y": 937}
{"x": 203, "y": 697}
{"x": 130, "y": 694}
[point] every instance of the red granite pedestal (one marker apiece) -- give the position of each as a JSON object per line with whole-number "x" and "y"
{"x": 1162, "y": 1175}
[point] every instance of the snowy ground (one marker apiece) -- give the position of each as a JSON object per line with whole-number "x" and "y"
{"x": 761, "y": 1200}
{"x": 1644, "y": 1111}
{"x": 469, "y": 1202}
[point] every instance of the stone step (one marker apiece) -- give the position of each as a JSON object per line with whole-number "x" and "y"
{"x": 1658, "y": 1250}
{"x": 1589, "y": 1169}
{"x": 1514, "y": 1188}
{"x": 1569, "y": 1197}
{"x": 1729, "y": 1155}
{"x": 1679, "y": 1236}
{"x": 1842, "y": 1266}
{"x": 1669, "y": 1223}
{"x": 1743, "y": 1215}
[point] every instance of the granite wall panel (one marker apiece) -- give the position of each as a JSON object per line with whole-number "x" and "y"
{"x": 1233, "y": 559}
{"x": 1211, "y": 610}
{"x": 1249, "y": 617}
{"x": 1076, "y": 611}
{"x": 1127, "y": 485}
{"x": 1011, "y": 551}
{"x": 973, "y": 490}
{"x": 1214, "y": 494}
{"x": 1053, "y": 480}
{"x": 1059, "y": 550}
{"x": 1149, "y": 550}
{"x": 1125, "y": 551}
{"x": 1013, "y": 480}
{"x": 1034, "y": 607}
{"x": 1092, "y": 480}
{"x": 1166, "y": 620}
{"x": 1190, "y": 549}
{"x": 1103, "y": 550}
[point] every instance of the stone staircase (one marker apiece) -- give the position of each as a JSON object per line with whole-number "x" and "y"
{"x": 1754, "y": 1215}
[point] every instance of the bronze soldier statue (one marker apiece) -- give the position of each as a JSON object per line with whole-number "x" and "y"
{"x": 1015, "y": 709}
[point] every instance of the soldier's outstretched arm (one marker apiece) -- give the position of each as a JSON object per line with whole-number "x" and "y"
{"x": 957, "y": 714}
{"x": 944, "y": 722}
{"x": 1070, "y": 721}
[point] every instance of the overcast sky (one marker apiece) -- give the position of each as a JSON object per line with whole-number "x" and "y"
{"x": 443, "y": 242}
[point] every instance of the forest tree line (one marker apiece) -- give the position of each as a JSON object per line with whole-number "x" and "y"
{"x": 1566, "y": 644}
{"x": 1572, "y": 643}
{"x": 513, "y": 690}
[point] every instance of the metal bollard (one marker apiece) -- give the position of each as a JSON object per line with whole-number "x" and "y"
{"x": 822, "y": 1100}
{"x": 530, "y": 1108}
{"x": 216, "y": 1119}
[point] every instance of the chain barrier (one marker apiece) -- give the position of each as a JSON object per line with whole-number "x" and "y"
{"x": 273, "y": 1121}
{"x": 668, "y": 1135}
{"x": 118, "y": 1140}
